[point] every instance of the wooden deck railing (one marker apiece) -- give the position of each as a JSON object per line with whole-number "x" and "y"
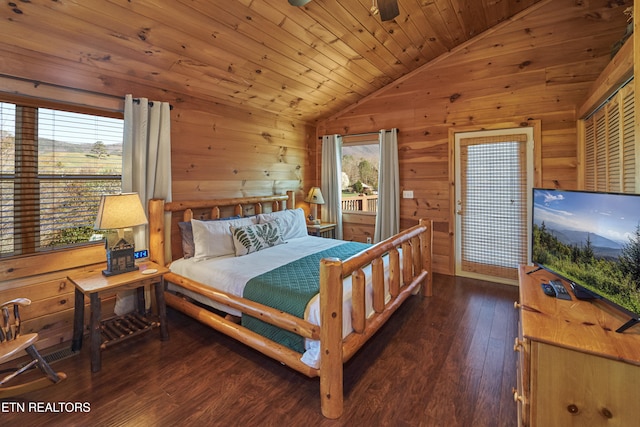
{"x": 363, "y": 202}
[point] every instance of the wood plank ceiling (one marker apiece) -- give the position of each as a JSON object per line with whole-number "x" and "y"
{"x": 303, "y": 63}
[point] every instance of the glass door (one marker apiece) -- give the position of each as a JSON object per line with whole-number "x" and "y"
{"x": 494, "y": 171}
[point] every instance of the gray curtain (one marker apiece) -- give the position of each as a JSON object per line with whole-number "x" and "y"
{"x": 146, "y": 165}
{"x": 146, "y": 160}
{"x": 388, "y": 216}
{"x": 331, "y": 176}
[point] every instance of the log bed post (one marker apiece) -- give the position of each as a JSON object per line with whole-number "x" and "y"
{"x": 291, "y": 201}
{"x": 156, "y": 231}
{"x": 426, "y": 243}
{"x": 331, "y": 375}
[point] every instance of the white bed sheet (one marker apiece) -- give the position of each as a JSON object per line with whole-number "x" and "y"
{"x": 230, "y": 274}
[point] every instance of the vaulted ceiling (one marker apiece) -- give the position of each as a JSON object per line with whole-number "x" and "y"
{"x": 302, "y": 63}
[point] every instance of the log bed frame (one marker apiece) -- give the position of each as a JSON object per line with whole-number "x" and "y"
{"x": 413, "y": 276}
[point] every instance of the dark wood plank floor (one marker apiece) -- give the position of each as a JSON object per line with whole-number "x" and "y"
{"x": 447, "y": 360}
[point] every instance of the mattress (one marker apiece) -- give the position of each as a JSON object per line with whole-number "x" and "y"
{"x": 230, "y": 274}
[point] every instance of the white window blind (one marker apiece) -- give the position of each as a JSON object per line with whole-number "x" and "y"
{"x": 609, "y": 145}
{"x": 55, "y": 165}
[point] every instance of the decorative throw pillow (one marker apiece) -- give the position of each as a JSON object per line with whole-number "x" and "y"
{"x": 213, "y": 238}
{"x": 252, "y": 238}
{"x": 186, "y": 234}
{"x": 293, "y": 222}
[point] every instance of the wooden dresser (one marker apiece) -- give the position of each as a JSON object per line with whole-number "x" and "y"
{"x": 573, "y": 368}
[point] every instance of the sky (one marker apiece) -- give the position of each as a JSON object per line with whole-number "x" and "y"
{"x": 614, "y": 216}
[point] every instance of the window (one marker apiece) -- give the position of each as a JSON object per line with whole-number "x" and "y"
{"x": 609, "y": 145}
{"x": 360, "y": 163}
{"x": 54, "y": 165}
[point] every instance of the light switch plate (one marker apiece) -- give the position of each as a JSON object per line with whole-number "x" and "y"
{"x": 407, "y": 194}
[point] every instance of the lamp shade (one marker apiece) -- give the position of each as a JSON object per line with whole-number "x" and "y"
{"x": 120, "y": 211}
{"x": 315, "y": 196}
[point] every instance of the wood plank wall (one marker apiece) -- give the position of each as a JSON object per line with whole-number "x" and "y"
{"x": 217, "y": 151}
{"x": 529, "y": 68}
{"x": 43, "y": 279}
{"x": 237, "y": 154}
{"x": 538, "y": 66}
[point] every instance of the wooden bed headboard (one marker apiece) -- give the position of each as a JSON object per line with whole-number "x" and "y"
{"x": 202, "y": 209}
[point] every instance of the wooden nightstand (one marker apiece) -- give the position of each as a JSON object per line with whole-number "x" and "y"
{"x": 325, "y": 229}
{"x": 110, "y": 331}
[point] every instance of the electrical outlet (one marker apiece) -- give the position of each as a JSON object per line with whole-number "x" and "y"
{"x": 407, "y": 194}
{"x": 368, "y": 239}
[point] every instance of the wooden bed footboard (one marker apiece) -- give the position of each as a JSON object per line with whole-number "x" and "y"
{"x": 408, "y": 274}
{"x": 414, "y": 275}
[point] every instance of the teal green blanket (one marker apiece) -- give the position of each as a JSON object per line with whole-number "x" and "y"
{"x": 290, "y": 288}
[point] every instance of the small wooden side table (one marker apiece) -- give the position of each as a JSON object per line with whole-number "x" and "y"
{"x": 325, "y": 229}
{"x": 110, "y": 331}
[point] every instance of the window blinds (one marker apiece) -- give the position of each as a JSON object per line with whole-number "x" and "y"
{"x": 609, "y": 145}
{"x": 55, "y": 165}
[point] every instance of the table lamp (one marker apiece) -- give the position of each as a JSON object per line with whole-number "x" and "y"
{"x": 314, "y": 198}
{"x": 120, "y": 211}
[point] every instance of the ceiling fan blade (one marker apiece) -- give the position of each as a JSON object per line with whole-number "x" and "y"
{"x": 388, "y": 9}
{"x": 298, "y": 2}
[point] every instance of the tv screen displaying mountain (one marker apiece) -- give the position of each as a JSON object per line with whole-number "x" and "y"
{"x": 591, "y": 239}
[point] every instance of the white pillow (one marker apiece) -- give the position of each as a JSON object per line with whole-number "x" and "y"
{"x": 253, "y": 238}
{"x": 292, "y": 222}
{"x": 213, "y": 238}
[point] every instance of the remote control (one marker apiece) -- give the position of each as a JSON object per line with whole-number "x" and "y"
{"x": 561, "y": 291}
{"x": 548, "y": 289}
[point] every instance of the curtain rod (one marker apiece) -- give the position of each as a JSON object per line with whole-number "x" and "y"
{"x": 137, "y": 101}
{"x": 360, "y": 134}
{"x": 38, "y": 83}
{"x": 603, "y": 103}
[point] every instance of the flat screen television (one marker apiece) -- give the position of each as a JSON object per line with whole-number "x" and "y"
{"x": 592, "y": 241}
